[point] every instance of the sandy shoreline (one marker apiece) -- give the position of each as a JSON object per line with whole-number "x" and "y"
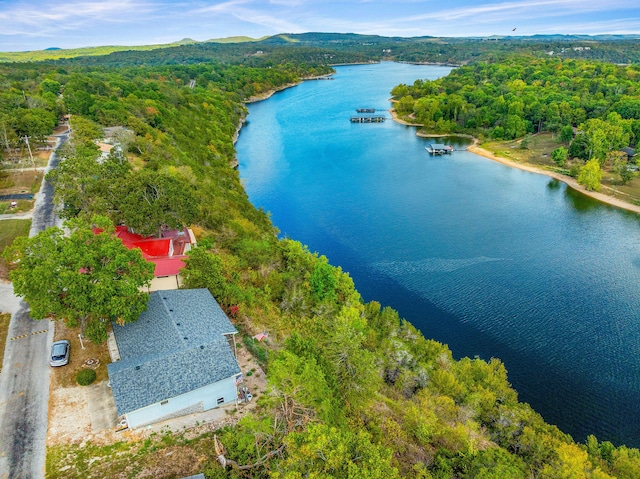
{"x": 568, "y": 180}
{"x": 474, "y": 148}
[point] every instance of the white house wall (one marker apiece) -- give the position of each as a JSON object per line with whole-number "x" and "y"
{"x": 201, "y": 399}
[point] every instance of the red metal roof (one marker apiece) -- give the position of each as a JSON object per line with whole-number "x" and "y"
{"x": 168, "y": 266}
{"x": 155, "y": 250}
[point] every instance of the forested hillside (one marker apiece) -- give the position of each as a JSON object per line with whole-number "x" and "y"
{"x": 521, "y": 95}
{"x": 593, "y": 107}
{"x": 334, "y": 48}
{"x": 355, "y": 390}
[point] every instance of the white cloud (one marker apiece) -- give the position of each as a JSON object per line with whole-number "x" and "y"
{"x": 250, "y": 12}
{"x": 527, "y": 9}
{"x": 43, "y": 19}
{"x": 79, "y": 22}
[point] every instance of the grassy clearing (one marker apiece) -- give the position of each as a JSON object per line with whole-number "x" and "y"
{"x": 12, "y": 182}
{"x": 23, "y": 181}
{"x": 4, "y": 331}
{"x": 10, "y": 230}
{"x": 538, "y": 153}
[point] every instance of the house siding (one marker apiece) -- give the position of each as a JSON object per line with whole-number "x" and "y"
{"x": 201, "y": 399}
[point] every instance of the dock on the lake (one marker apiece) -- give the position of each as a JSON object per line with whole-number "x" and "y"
{"x": 367, "y": 119}
{"x": 439, "y": 149}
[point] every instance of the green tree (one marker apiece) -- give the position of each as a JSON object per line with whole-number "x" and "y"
{"x": 85, "y": 278}
{"x": 86, "y": 184}
{"x": 323, "y": 280}
{"x": 37, "y": 123}
{"x": 153, "y": 200}
{"x": 621, "y": 166}
{"x": 204, "y": 270}
{"x": 559, "y": 156}
{"x": 322, "y": 451}
{"x": 566, "y": 133}
{"x": 50, "y": 86}
{"x": 84, "y": 130}
{"x": 590, "y": 175}
{"x": 303, "y": 380}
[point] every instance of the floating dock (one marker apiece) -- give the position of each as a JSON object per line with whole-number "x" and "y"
{"x": 439, "y": 149}
{"x": 367, "y": 119}
{"x": 366, "y": 110}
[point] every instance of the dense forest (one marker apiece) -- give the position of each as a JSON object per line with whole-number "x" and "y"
{"x": 593, "y": 107}
{"x": 355, "y": 390}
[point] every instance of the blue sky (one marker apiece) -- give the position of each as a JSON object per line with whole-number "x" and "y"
{"x": 39, "y": 24}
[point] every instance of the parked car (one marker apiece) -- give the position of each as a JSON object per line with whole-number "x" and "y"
{"x": 60, "y": 353}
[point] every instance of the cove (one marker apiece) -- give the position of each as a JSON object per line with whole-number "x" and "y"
{"x": 491, "y": 260}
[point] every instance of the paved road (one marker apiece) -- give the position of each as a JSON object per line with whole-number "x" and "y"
{"x": 24, "y": 381}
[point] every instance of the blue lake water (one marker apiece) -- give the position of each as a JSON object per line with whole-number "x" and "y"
{"x": 493, "y": 261}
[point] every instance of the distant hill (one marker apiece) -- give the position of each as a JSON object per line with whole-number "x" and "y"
{"x": 55, "y": 53}
{"x": 58, "y": 53}
{"x": 234, "y": 40}
{"x": 448, "y": 50}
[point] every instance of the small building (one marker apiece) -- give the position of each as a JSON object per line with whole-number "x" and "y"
{"x": 178, "y": 358}
{"x": 167, "y": 253}
{"x": 630, "y": 152}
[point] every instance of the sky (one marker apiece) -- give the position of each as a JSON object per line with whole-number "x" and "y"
{"x": 39, "y": 24}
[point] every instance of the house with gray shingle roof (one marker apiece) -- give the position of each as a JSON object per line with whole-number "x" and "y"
{"x": 177, "y": 358}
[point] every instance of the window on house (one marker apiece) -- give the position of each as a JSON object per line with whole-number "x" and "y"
{"x": 220, "y": 400}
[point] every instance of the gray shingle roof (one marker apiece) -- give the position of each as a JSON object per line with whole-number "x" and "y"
{"x": 176, "y": 346}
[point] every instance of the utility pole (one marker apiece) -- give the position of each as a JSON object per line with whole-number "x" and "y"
{"x": 26, "y": 140}
{"x": 6, "y": 140}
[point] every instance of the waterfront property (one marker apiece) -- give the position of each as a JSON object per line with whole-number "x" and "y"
{"x": 491, "y": 260}
{"x": 167, "y": 253}
{"x": 177, "y": 359}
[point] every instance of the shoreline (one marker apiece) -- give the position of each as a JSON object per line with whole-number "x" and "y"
{"x": 265, "y": 96}
{"x": 568, "y": 180}
{"x": 473, "y": 148}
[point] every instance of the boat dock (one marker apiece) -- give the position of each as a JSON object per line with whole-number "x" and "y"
{"x": 367, "y": 119}
{"x": 365, "y": 110}
{"x": 439, "y": 149}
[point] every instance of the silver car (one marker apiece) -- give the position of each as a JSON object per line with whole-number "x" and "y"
{"x": 60, "y": 353}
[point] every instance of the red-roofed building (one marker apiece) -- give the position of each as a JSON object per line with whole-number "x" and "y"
{"x": 166, "y": 252}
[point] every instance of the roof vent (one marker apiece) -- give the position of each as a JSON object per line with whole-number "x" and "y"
{"x": 171, "y": 310}
{"x": 137, "y": 368}
{"x": 201, "y": 346}
{"x": 177, "y": 324}
{"x": 185, "y": 338}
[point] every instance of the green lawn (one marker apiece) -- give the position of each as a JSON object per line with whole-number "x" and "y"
{"x": 538, "y": 153}
{"x": 10, "y": 230}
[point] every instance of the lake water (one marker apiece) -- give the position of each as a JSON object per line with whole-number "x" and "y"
{"x": 493, "y": 261}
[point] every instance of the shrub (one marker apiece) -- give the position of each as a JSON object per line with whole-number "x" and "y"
{"x": 559, "y": 156}
{"x": 86, "y": 377}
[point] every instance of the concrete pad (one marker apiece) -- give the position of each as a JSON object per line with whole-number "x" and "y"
{"x": 101, "y": 407}
{"x": 114, "y": 353}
